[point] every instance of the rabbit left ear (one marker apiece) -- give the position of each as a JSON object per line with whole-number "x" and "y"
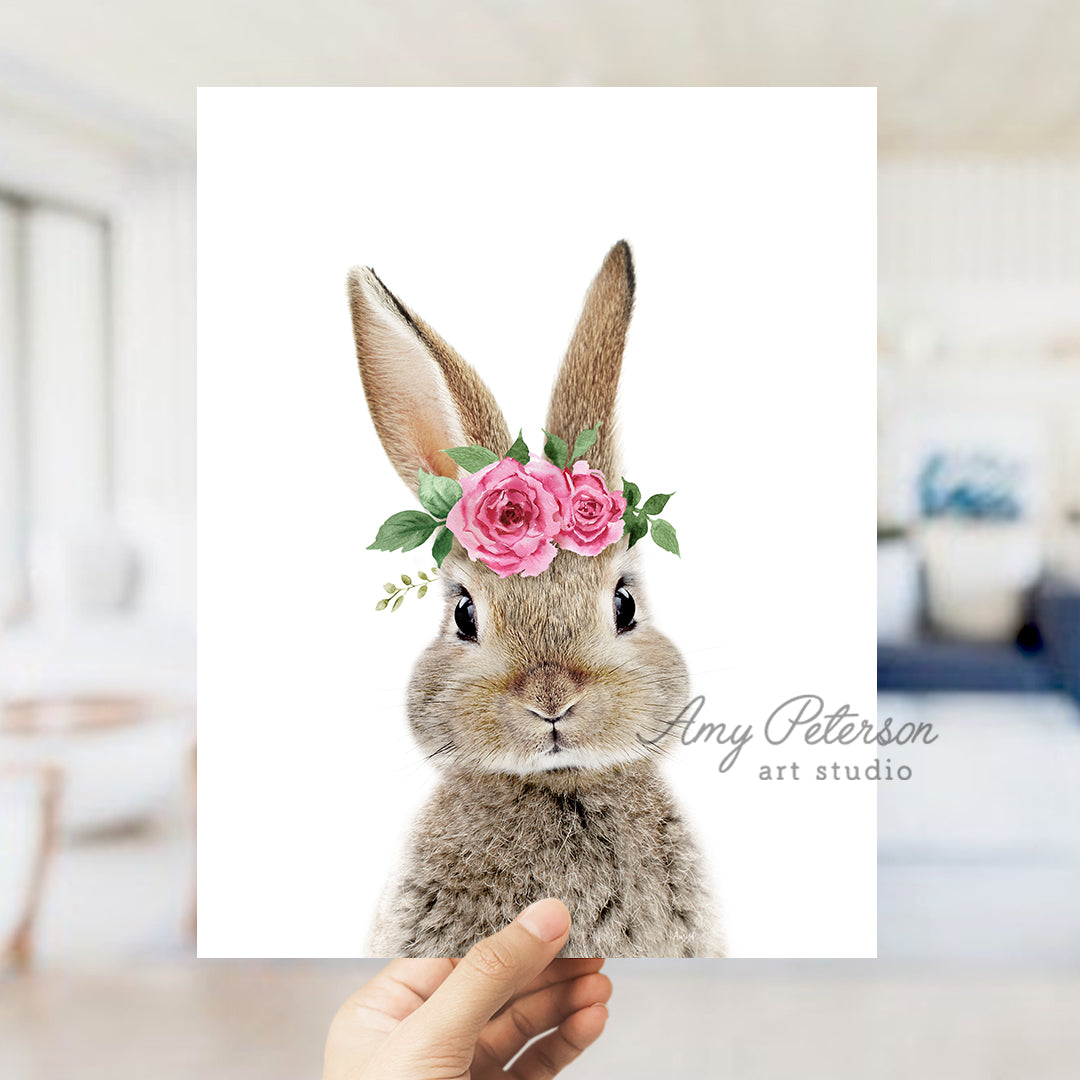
{"x": 588, "y": 380}
{"x": 423, "y": 397}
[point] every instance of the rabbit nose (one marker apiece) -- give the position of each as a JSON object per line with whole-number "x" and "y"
{"x": 548, "y": 717}
{"x": 549, "y": 690}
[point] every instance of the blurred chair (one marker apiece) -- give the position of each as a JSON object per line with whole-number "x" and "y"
{"x": 122, "y": 756}
{"x": 95, "y": 682}
{"x": 29, "y": 801}
{"x": 83, "y": 571}
{"x": 91, "y": 631}
{"x": 98, "y": 682}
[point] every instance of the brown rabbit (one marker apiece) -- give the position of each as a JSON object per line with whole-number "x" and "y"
{"x": 532, "y": 697}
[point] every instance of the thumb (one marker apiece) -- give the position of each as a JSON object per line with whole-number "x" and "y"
{"x": 491, "y": 973}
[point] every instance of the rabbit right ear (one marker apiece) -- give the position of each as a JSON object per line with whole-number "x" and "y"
{"x": 588, "y": 380}
{"x": 423, "y": 397}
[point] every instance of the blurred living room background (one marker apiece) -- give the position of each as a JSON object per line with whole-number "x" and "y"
{"x": 979, "y": 555}
{"x": 978, "y": 531}
{"x": 97, "y": 524}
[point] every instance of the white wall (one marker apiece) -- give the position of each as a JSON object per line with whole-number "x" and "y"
{"x": 979, "y": 265}
{"x": 154, "y": 380}
{"x": 10, "y": 477}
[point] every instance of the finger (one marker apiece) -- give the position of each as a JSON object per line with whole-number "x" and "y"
{"x": 541, "y": 1011}
{"x": 420, "y": 978}
{"x": 548, "y": 1056}
{"x": 371, "y": 1013}
{"x": 588, "y": 963}
{"x": 491, "y": 973}
{"x": 561, "y": 970}
{"x": 394, "y": 993}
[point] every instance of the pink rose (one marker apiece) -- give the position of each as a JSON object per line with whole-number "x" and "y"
{"x": 594, "y": 516}
{"x": 509, "y": 514}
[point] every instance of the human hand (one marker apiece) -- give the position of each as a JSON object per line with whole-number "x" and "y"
{"x": 448, "y": 1019}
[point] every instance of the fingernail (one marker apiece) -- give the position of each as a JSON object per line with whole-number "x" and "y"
{"x": 546, "y": 919}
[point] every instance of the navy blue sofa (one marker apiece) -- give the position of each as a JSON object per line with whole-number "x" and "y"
{"x": 1045, "y": 656}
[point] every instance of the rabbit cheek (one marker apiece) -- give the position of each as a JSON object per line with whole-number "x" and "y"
{"x": 658, "y": 696}
{"x": 436, "y": 702}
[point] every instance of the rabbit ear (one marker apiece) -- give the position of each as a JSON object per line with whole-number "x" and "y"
{"x": 423, "y": 397}
{"x": 585, "y": 390}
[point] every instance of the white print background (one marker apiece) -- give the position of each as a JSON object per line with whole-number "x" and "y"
{"x": 748, "y": 387}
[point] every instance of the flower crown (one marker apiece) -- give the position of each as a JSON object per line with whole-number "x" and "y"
{"x": 513, "y": 514}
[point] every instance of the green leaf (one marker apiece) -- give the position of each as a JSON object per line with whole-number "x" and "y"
{"x": 406, "y": 530}
{"x": 583, "y": 442}
{"x": 472, "y": 458}
{"x": 421, "y": 592}
{"x": 397, "y": 602}
{"x": 391, "y": 588}
{"x": 406, "y": 579}
{"x": 655, "y": 504}
{"x": 631, "y": 493}
{"x": 519, "y": 451}
{"x": 438, "y": 493}
{"x": 422, "y": 576}
{"x": 381, "y": 605}
{"x": 664, "y": 536}
{"x": 555, "y": 450}
{"x": 441, "y": 548}
{"x": 637, "y": 526}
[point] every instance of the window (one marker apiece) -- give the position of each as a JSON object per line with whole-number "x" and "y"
{"x": 55, "y": 380}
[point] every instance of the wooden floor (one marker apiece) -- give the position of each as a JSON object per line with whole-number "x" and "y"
{"x": 743, "y": 1020}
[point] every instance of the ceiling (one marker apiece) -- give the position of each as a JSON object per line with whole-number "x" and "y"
{"x": 954, "y": 76}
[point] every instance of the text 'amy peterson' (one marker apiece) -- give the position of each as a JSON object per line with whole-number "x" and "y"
{"x": 802, "y": 716}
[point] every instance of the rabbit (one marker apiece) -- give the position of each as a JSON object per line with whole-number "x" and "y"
{"x": 524, "y": 665}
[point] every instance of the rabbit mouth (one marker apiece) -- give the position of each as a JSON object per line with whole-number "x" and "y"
{"x": 555, "y": 744}
{"x": 560, "y": 753}
{"x": 558, "y": 758}
{"x": 563, "y": 757}
{"x": 535, "y": 740}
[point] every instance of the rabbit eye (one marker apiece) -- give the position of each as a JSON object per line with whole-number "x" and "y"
{"x": 624, "y": 609}
{"x": 465, "y": 617}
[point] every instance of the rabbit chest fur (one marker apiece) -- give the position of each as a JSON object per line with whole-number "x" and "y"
{"x": 616, "y": 850}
